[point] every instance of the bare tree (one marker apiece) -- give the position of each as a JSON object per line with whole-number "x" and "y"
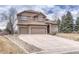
{"x": 11, "y": 17}
{"x": 3, "y": 18}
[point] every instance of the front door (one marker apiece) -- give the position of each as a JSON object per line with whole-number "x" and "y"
{"x": 48, "y": 29}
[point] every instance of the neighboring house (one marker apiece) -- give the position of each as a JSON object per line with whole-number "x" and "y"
{"x": 33, "y": 22}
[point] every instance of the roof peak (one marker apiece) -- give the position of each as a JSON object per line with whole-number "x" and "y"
{"x": 31, "y": 11}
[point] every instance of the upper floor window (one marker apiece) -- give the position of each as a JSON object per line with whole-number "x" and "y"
{"x": 24, "y": 17}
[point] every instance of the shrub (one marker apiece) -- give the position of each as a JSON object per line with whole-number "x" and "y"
{"x": 53, "y": 33}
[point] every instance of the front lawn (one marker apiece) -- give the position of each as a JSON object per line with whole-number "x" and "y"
{"x": 72, "y": 36}
{"x": 6, "y": 46}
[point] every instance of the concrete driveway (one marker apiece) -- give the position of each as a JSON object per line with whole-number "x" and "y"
{"x": 50, "y": 44}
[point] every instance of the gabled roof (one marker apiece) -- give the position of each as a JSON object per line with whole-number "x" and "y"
{"x": 31, "y": 11}
{"x": 51, "y": 22}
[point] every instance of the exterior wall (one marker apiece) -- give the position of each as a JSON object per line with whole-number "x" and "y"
{"x": 41, "y": 18}
{"x": 28, "y": 14}
{"x": 53, "y": 28}
{"x": 30, "y": 17}
{"x": 23, "y": 19}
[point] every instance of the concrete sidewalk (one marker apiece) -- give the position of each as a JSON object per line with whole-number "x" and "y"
{"x": 50, "y": 44}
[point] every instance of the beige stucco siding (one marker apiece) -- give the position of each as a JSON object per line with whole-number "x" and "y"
{"x": 28, "y": 14}
{"x": 41, "y": 18}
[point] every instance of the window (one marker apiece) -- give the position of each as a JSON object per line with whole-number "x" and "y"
{"x": 24, "y": 18}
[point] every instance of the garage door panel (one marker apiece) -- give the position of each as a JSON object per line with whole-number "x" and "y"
{"x": 23, "y": 30}
{"x": 38, "y": 31}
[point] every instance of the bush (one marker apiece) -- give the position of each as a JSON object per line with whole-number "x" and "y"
{"x": 77, "y": 31}
{"x": 53, "y": 33}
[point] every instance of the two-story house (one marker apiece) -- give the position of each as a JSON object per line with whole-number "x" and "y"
{"x": 33, "y": 22}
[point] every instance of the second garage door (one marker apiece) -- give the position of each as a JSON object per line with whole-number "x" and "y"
{"x": 38, "y": 31}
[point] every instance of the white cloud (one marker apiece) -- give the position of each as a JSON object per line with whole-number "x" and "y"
{"x": 74, "y": 14}
{"x": 50, "y": 16}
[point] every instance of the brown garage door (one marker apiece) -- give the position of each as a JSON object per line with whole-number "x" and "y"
{"x": 23, "y": 30}
{"x": 38, "y": 31}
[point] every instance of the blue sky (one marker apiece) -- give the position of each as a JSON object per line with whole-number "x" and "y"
{"x": 51, "y": 11}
